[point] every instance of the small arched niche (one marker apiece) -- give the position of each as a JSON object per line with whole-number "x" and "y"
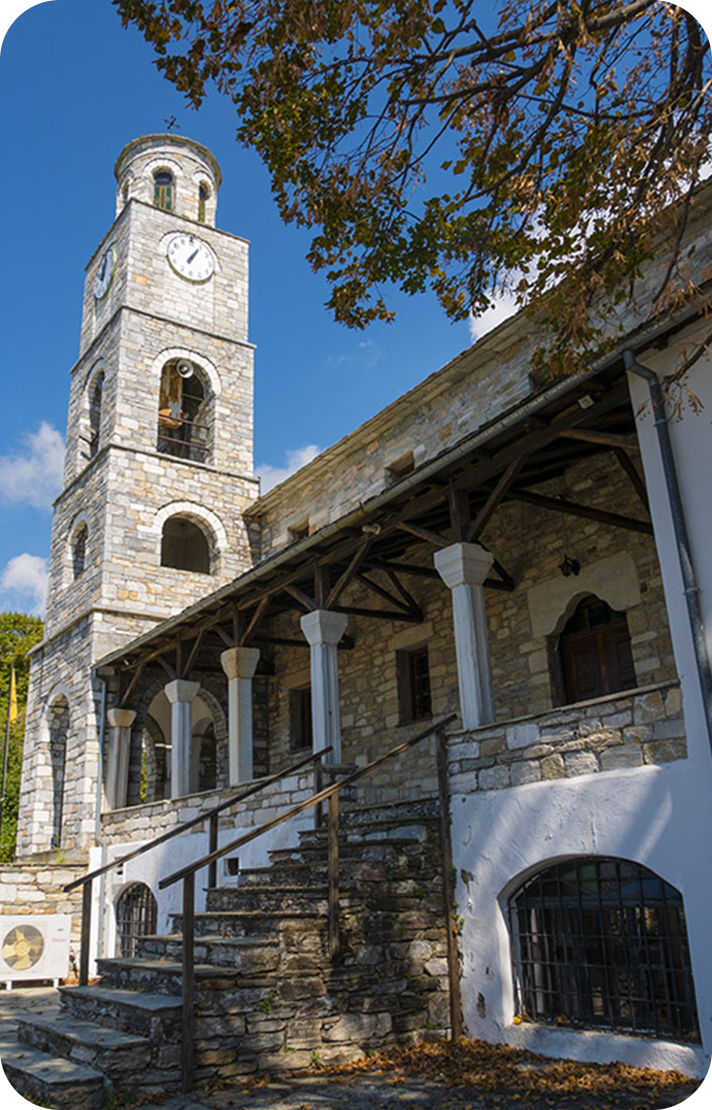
{"x": 590, "y": 655}
{"x": 78, "y": 549}
{"x": 186, "y": 545}
{"x": 57, "y": 733}
{"x": 184, "y": 411}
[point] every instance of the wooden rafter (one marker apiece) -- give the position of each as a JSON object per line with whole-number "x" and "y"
{"x": 380, "y": 614}
{"x": 406, "y": 606}
{"x": 638, "y": 484}
{"x": 424, "y": 534}
{"x": 132, "y": 684}
{"x": 190, "y": 662}
{"x": 607, "y": 439}
{"x": 307, "y": 603}
{"x": 494, "y": 499}
{"x": 558, "y": 505}
{"x": 255, "y": 620}
{"x": 344, "y": 579}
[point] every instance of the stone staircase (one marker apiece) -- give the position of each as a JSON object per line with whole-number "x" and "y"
{"x": 267, "y": 996}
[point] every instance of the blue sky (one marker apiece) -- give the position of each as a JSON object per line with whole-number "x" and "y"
{"x": 74, "y": 89}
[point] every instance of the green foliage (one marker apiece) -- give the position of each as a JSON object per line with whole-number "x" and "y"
{"x": 468, "y": 148}
{"x": 18, "y": 634}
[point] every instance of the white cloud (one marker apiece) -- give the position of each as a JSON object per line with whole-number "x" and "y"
{"x": 25, "y": 580}
{"x": 271, "y": 476}
{"x": 34, "y": 477}
{"x": 504, "y": 305}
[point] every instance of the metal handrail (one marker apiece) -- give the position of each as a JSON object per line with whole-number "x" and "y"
{"x": 212, "y": 816}
{"x": 187, "y": 874}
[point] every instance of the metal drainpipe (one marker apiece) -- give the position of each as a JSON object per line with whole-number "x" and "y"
{"x": 97, "y": 822}
{"x": 689, "y": 579}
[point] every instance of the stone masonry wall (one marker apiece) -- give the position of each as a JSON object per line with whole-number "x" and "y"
{"x": 530, "y": 543}
{"x": 607, "y": 734}
{"x": 38, "y": 889}
{"x": 472, "y": 390}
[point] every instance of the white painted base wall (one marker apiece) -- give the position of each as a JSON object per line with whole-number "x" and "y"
{"x": 660, "y": 817}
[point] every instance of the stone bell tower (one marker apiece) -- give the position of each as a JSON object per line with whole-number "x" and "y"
{"x": 158, "y": 464}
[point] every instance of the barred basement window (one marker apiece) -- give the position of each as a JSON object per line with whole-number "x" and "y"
{"x": 136, "y": 914}
{"x": 300, "y": 719}
{"x": 602, "y": 942}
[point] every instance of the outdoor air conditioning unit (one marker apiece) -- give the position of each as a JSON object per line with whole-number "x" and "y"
{"x": 34, "y": 946}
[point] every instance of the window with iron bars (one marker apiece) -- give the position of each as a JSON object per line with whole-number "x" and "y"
{"x": 602, "y": 943}
{"x": 136, "y": 913}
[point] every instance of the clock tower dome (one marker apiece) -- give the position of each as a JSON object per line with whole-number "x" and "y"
{"x": 158, "y": 464}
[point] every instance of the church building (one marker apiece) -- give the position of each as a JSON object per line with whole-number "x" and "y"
{"x": 505, "y": 581}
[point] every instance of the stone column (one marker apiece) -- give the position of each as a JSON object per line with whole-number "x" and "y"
{"x": 240, "y": 664}
{"x": 117, "y": 759}
{"x": 323, "y": 630}
{"x": 463, "y": 567}
{"x": 180, "y": 694}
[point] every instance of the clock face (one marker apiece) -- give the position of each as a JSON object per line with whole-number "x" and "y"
{"x": 191, "y": 258}
{"x": 105, "y": 274}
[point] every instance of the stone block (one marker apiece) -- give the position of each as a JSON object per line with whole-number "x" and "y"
{"x": 552, "y": 767}
{"x": 521, "y": 736}
{"x": 524, "y": 772}
{"x": 494, "y": 778}
{"x": 580, "y": 763}
{"x": 666, "y": 751}
{"x": 626, "y": 755}
{"x": 352, "y": 1027}
{"x": 648, "y": 707}
{"x": 673, "y": 701}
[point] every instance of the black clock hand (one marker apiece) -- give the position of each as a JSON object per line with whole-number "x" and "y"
{"x": 192, "y": 256}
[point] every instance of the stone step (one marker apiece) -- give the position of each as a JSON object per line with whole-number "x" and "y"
{"x": 393, "y": 829}
{"x": 157, "y": 976}
{"x": 392, "y": 849}
{"x": 424, "y": 809}
{"x": 116, "y": 1054}
{"x": 49, "y": 1080}
{"x": 156, "y": 1016}
{"x": 251, "y": 923}
{"x": 251, "y": 955}
{"x": 267, "y": 899}
{"x": 352, "y": 875}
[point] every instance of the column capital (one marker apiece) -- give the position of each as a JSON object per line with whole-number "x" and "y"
{"x": 322, "y": 626}
{"x": 180, "y": 690}
{"x": 240, "y": 662}
{"x": 463, "y": 564}
{"x": 120, "y": 718}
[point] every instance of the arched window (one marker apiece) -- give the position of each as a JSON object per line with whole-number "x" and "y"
{"x": 95, "y": 399}
{"x": 602, "y": 942}
{"x": 203, "y": 194}
{"x": 79, "y": 550}
{"x": 184, "y": 545}
{"x": 163, "y": 190}
{"x": 58, "y": 729}
{"x": 136, "y": 916}
{"x": 183, "y": 412}
{"x": 594, "y": 652}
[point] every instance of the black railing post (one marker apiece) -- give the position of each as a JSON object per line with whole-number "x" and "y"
{"x": 85, "y": 940}
{"x": 334, "y": 939}
{"x": 448, "y": 874}
{"x": 213, "y": 847}
{"x": 188, "y": 985}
